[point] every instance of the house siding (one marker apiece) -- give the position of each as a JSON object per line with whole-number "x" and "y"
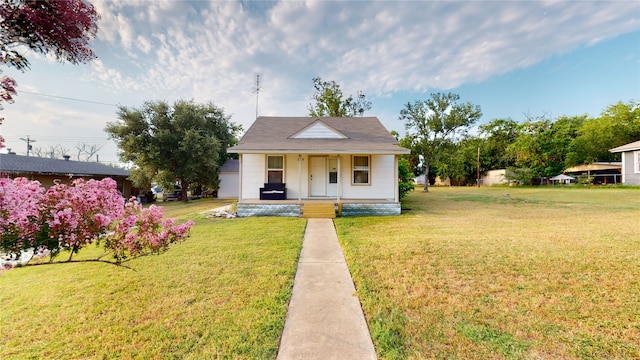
{"x": 382, "y": 184}
{"x": 229, "y": 186}
{"x": 629, "y": 174}
{"x": 253, "y": 170}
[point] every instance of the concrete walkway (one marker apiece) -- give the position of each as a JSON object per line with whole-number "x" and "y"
{"x": 325, "y": 320}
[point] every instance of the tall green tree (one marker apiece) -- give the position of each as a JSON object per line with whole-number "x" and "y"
{"x": 330, "y": 102}
{"x": 460, "y": 162}
{"x": 185, "y": 142}
{"x": 618, "y": 124}
{"x": 496, "y": 136}
{"x": 542, "y": 145}
{"x": 435, "y": 123}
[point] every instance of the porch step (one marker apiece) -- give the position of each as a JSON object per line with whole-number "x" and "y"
{"x": 319, "y": 211}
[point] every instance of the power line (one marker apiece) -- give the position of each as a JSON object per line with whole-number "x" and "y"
{"x": 67, "y": 98}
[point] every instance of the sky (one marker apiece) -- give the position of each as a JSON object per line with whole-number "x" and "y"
{"x": 515, "y": 59}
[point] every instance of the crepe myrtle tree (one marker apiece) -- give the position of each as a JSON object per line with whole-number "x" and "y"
{"x": 62, "y": 28}
{"x": 67, "y": 218}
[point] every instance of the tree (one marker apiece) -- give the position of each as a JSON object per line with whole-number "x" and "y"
{"x": 496, "y": 136}
{"x": 405, "y": 178}
{"x": 542, "y": 146}
{"x": 329, "y": 101}
{"x": 413, "y": 159}
{"x": 84, "y": 151}
{"x": 460, "y": 161}
{"x": 62, "y": 28}
{"x": 70, "y": 217}
{"x": 51, "y": 152}
{"x": 434, "y": 124}
{"x": 185, "y": 143}
{"x": 618, "y": 124}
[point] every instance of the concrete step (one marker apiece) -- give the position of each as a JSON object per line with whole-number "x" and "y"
{"x": 319, "y": 211}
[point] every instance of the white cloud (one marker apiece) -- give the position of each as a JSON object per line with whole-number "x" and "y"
{"x": 212, "y": 50}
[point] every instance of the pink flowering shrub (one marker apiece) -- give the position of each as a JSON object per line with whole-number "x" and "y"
{"x": 70, "y": 217}
{"x": 20, "y": 210}
{"x": 141, "y": 231}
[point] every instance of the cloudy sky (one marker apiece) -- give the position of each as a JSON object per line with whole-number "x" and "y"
{"x": 513, "y": 58}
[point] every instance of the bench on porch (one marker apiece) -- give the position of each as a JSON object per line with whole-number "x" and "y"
{"x": 273, "y": 191}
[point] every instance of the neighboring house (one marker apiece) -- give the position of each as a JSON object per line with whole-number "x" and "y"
{"x": 496, "y": 177}
{"x": 630, "y": 162}
{"x": 48, "y": 171}
{"x": 597, "y": 172}
{"x": 228, "y": 174}
{"x": 442, "y": 182}
{"x": 288, "y": 162}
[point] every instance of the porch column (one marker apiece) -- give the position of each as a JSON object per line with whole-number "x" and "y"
{"x": 339, "y": 184}
{"x": 396, "y": 191}
{"x": 240, "y": 178}
{"x": 299, "y": 178}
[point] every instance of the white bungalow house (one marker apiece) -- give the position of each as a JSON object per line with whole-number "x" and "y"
{"x": 289, "y": 163}
{"x": 630, "y": 162}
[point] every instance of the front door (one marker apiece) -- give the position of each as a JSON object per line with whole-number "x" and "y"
{"x": 318, "y": 176}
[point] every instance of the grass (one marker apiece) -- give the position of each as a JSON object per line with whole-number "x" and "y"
{"x": 463, "y": 273}
{"x": 501, "y": 273}
{"x": 223, "y": 293}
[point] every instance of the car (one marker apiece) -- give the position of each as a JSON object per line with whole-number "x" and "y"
{"x": 174, "y": 196}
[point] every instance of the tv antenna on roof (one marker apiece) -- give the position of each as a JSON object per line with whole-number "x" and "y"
{"x": 257, "y": 91}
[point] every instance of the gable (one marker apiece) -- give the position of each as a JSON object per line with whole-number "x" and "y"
{"x": 319, "y": 130}
{"x": 318, "y": 135}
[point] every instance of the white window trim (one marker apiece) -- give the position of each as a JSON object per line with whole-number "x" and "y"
{"x": 353, "y": 170}
{"x": 636, "y": 162}
{"x": 267, "y": 169}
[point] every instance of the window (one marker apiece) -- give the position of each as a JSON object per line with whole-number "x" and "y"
{"x": 636, "y": 161}
{"x": 275, "y": 169}
{"x": 333, "y": 171}
{"x": 360, "y": 169}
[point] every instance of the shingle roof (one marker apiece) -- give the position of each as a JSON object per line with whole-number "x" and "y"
{"x": 12, "y": 163}
{"x": 275, "y": 134}
{"x": 627, "y": 147}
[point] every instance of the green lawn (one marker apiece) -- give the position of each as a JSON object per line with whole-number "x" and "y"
{"x": 223, "y": 293}
{"x": 540, "y": 273}
{"x": 464, "y": 273}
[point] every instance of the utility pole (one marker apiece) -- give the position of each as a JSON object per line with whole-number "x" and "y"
{"x": 257, "y": 91}
{"x": 478, "y": 167}
{"x": 28, "y": 141}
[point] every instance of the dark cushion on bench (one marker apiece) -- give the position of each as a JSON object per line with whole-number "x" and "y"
{"x": 273, "y": 191}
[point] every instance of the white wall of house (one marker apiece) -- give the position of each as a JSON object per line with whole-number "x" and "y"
{"x": 228, "y": 185}
{"x": 252, "y": 170}
{"x": 382, "y": 177}
{"x": 631, "y": 167}
{"x": 495, "y": 177}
